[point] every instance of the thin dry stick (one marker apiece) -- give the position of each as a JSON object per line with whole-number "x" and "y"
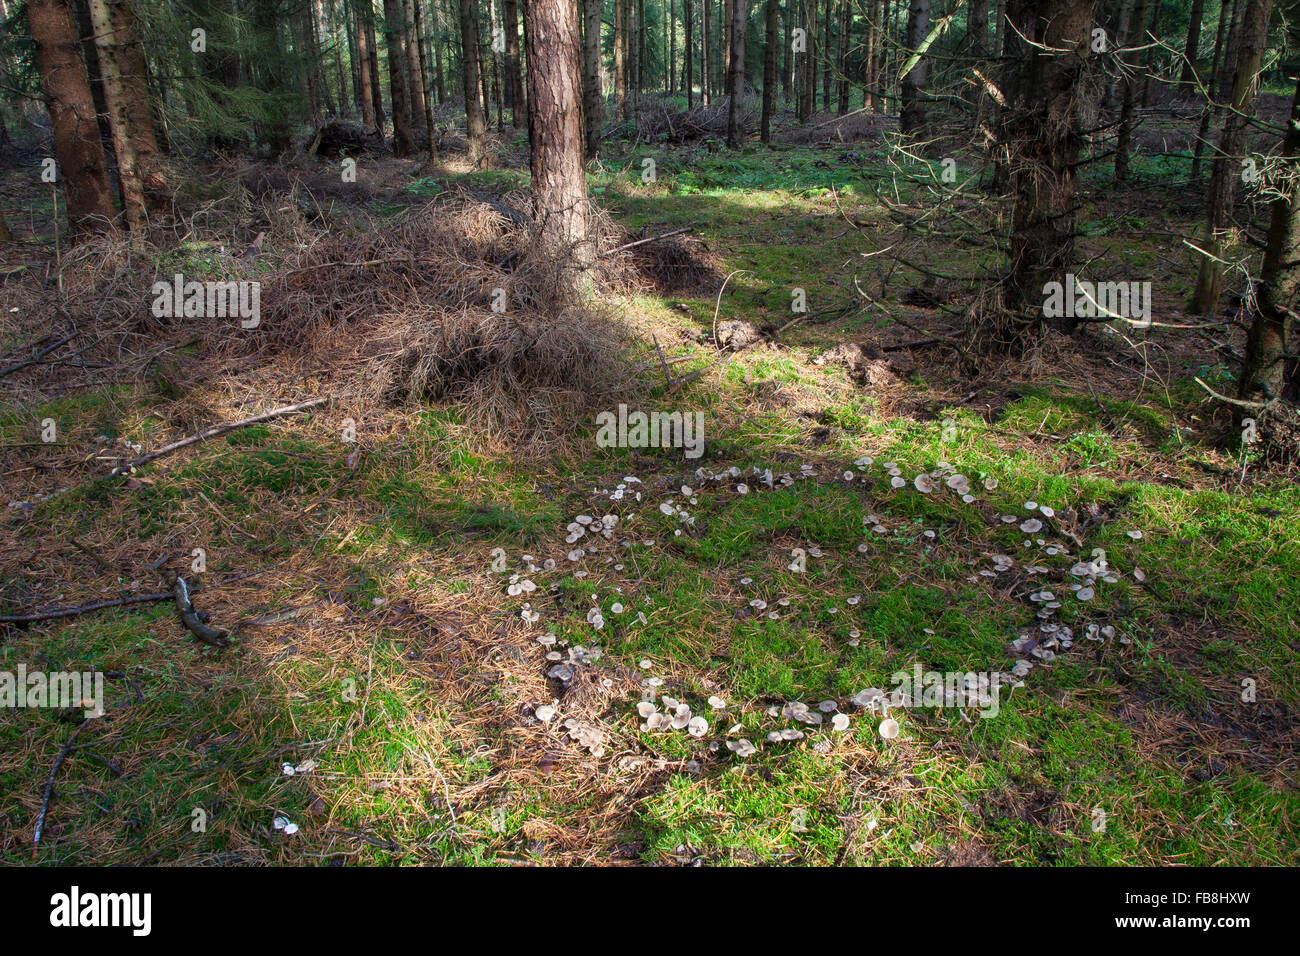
{"x": 641, "y": 242}
{"x": 36, "y": 357}
{"x": 216, "y": 430}
{"x": 49, "y": 784}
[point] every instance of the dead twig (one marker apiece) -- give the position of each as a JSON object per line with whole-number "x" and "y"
{"x": 49, "y": 784}
{"x": 214, "y": 432}
{"x": 641, "y": 242}
{"x": 37, "y": 356}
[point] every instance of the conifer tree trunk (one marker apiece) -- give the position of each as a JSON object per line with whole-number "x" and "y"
{"x": 514, "y": 78}
{"x": 688, "y": 13}
{"x": 735, "y": 111}
{"x": 1124, "y": 138}
{"x": 376, "y": 84}
{"x": 365, "y": 96}
{"x": 706, "y": 61}
{"x": 134, "y": 70}
{"x": 1044, "y": 136}
{"x": 1263, "y": 376}
{"x": 475, "y": 124}
{"x": 593, "y": 101}
{"x": 1193, "y": 45}
{"x": 842, "y": 60}
{"x": 398, "y": 74}
{"x": 1215, "y": 88}
{"x": 119, "y": 116}
{"x": 415, "y": 73}
{"x": 439, "y": 83}
{"x": 422, "y": 47}
{"x": 771, "y": 16}
{"x": 555, "y": 128}
{"x": 912, "y": 118}
{"x": 727, "y": 17}
{"x": 1233, "y": 140}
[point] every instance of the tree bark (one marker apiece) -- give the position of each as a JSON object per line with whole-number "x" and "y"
{"x": 134, "y": 70}
{"x": 1215, "y": 85}
{"x": 706, "y": 62}
{"x": 1044, "y": 137}
{"x": 593, "y": 102}
{"x": 119, "y": 116}
{"x": 365, "y": 96}
{"x": 1193, "y": 45}
{"x": 398, "y": 74}
{"x": 415, "y": 83}
{"x": 1219, "y": 236}
{"x": 735, "y": 112}
{"x": 842, "y": 60}
{"x": 514, "y": 79}
{"x": 475, "y": 124}
{"x": 422, "y": 47}
{"x": 376, "y": 85}
{"x": 772, "y": 15}
{"x": 1124, "y": 138}
{"x": 555, "y": 126}
{"x": 1263, "y": 376}
{"x": 911, "y": 120}
{"x": 688, "y": 13}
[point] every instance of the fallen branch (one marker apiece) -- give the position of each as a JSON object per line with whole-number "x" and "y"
{"x": 214, "y": 636}
{"x": 214, "y": 432}
{"x": 49, "y": 784}
{"x": 37, "y": 356}
{"x": 82, "y": 609}
{"x": 1240, "y": 403}
{"x": 641, "y": 242}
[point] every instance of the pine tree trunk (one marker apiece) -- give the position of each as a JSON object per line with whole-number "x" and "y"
{"x": 1122, "y": 31}
{"x": 1124, "y": 138}
{"x": 514, "y": 79}
{"x": 398, "y": 74}
{"x": 5, "y": 234}
{"x": 706, "y": 62}
{"x": 804, "y": 62}
{"x": 1263, "y": 377}
{"x": 376, "y": 83}
{"x": 688, "y": 13}
{"x": 1219, "y": 235}
{"x": 364, "y": 79}
{"x": 872, "y": 99}
{"x": 415, "y": 83}
{"x": 475, "y": 125}
{"x": 134, "y": 70}
{"x": 1193, "y": 45}
{"x": 772, "y": 17}
{"x": 593, "y": 102}
{"x": 555, "y": 126}
{"x": 826, "y": 68}
{"x": 435, "y": 11}
{"x": 842, "y": 61}
{"x": 620, "y": 64}
{"x": 1215, "y": 88}
{"x": 422, "y": 47}
{"x": 727, "y": 17}
{"x": 672, "y": 47}
{"x": 912, "y": 118}
{"x": 735, "y": 112}
{"x": 1044, "y": 137}
{"x": 119, "y": 115}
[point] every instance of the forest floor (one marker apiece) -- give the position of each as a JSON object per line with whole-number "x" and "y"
{"x": 386, "y": 692}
